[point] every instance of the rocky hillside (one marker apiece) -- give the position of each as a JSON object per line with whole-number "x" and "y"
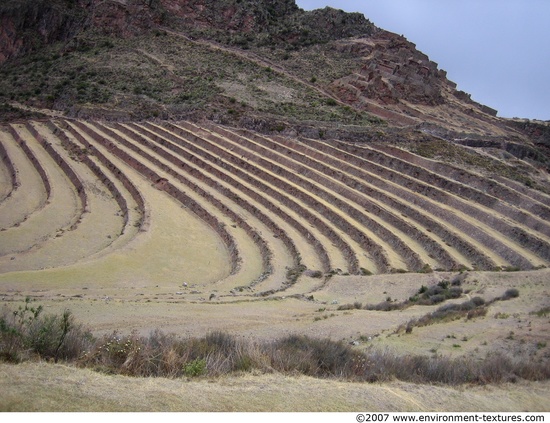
{"x": 265, "y": 65}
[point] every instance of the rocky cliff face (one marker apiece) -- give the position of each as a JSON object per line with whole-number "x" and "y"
{"x": 400, "y": 83}
{"x": 28, "y": 25}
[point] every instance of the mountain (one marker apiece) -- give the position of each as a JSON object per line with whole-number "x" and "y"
{"x": 264, "y": 65}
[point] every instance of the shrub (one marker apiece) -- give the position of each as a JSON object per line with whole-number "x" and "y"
{"x": 365, "y": 272}
{"x": 313, "y": 357}
{"x": 478, "y": 301}
{"x": 455, "y": 292}
{"x": 345, "y": 307}
{"x": 444, "y": 284}
{"x": 426, "y": 269}
{"x": 388, "y": 306}
{"x": 448, "y": 312}
{"x": 438, "y": 298}
{"x": 294, "y": 273}
{"x": 512, "y": 269}
{"x": 457, "y": 280}
{"x": 27, "y": 331}
{"x": 477, "y": 312}
{"x": 509, "y": 294}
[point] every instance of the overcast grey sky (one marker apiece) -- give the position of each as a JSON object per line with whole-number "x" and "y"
{"x": 496, "y": 50}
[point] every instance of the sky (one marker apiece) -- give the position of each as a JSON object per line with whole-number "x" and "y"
{"x": 496, "y": 50}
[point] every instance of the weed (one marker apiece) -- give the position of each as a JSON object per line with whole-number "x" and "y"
{"x": 348, "y": 306}
{"x": 511, "y": 269}
{"x": 294, "y": 273}
{"x": 426, "y": 269}
{"x": 195, "y": 368}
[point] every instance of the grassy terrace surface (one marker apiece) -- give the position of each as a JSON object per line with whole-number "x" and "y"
{"x": 283, "y": 208}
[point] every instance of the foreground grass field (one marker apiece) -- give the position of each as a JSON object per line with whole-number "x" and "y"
{"x": 47, "y": 387}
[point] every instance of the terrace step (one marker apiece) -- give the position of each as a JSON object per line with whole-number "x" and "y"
{"x": 513, "y": 227}
{"x": 285, "y": 193}
{"x": 369, "y": 215}
{"x": 240, "y": 180}
{"x": 59, "y": 214}
{"x": 440, "y": 205}
{"x": 185, "y": 173}
{"x": 385, "y": 199}
{"x": 215, "y": 177}
{"x": 506, "y": 190}
{"x": 30, "y": 194}
{"x": 189, "y": 199}
{"x": 8, "y": 175}
{"x": 495, "y": 196}
{"x": 339, "y": 181}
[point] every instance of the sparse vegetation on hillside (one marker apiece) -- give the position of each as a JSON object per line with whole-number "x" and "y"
{"x": 435, "y": 294}
{"x": 160, "y": 77}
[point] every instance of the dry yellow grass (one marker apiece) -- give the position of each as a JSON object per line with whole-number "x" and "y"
{"x": 48, "y": 387}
